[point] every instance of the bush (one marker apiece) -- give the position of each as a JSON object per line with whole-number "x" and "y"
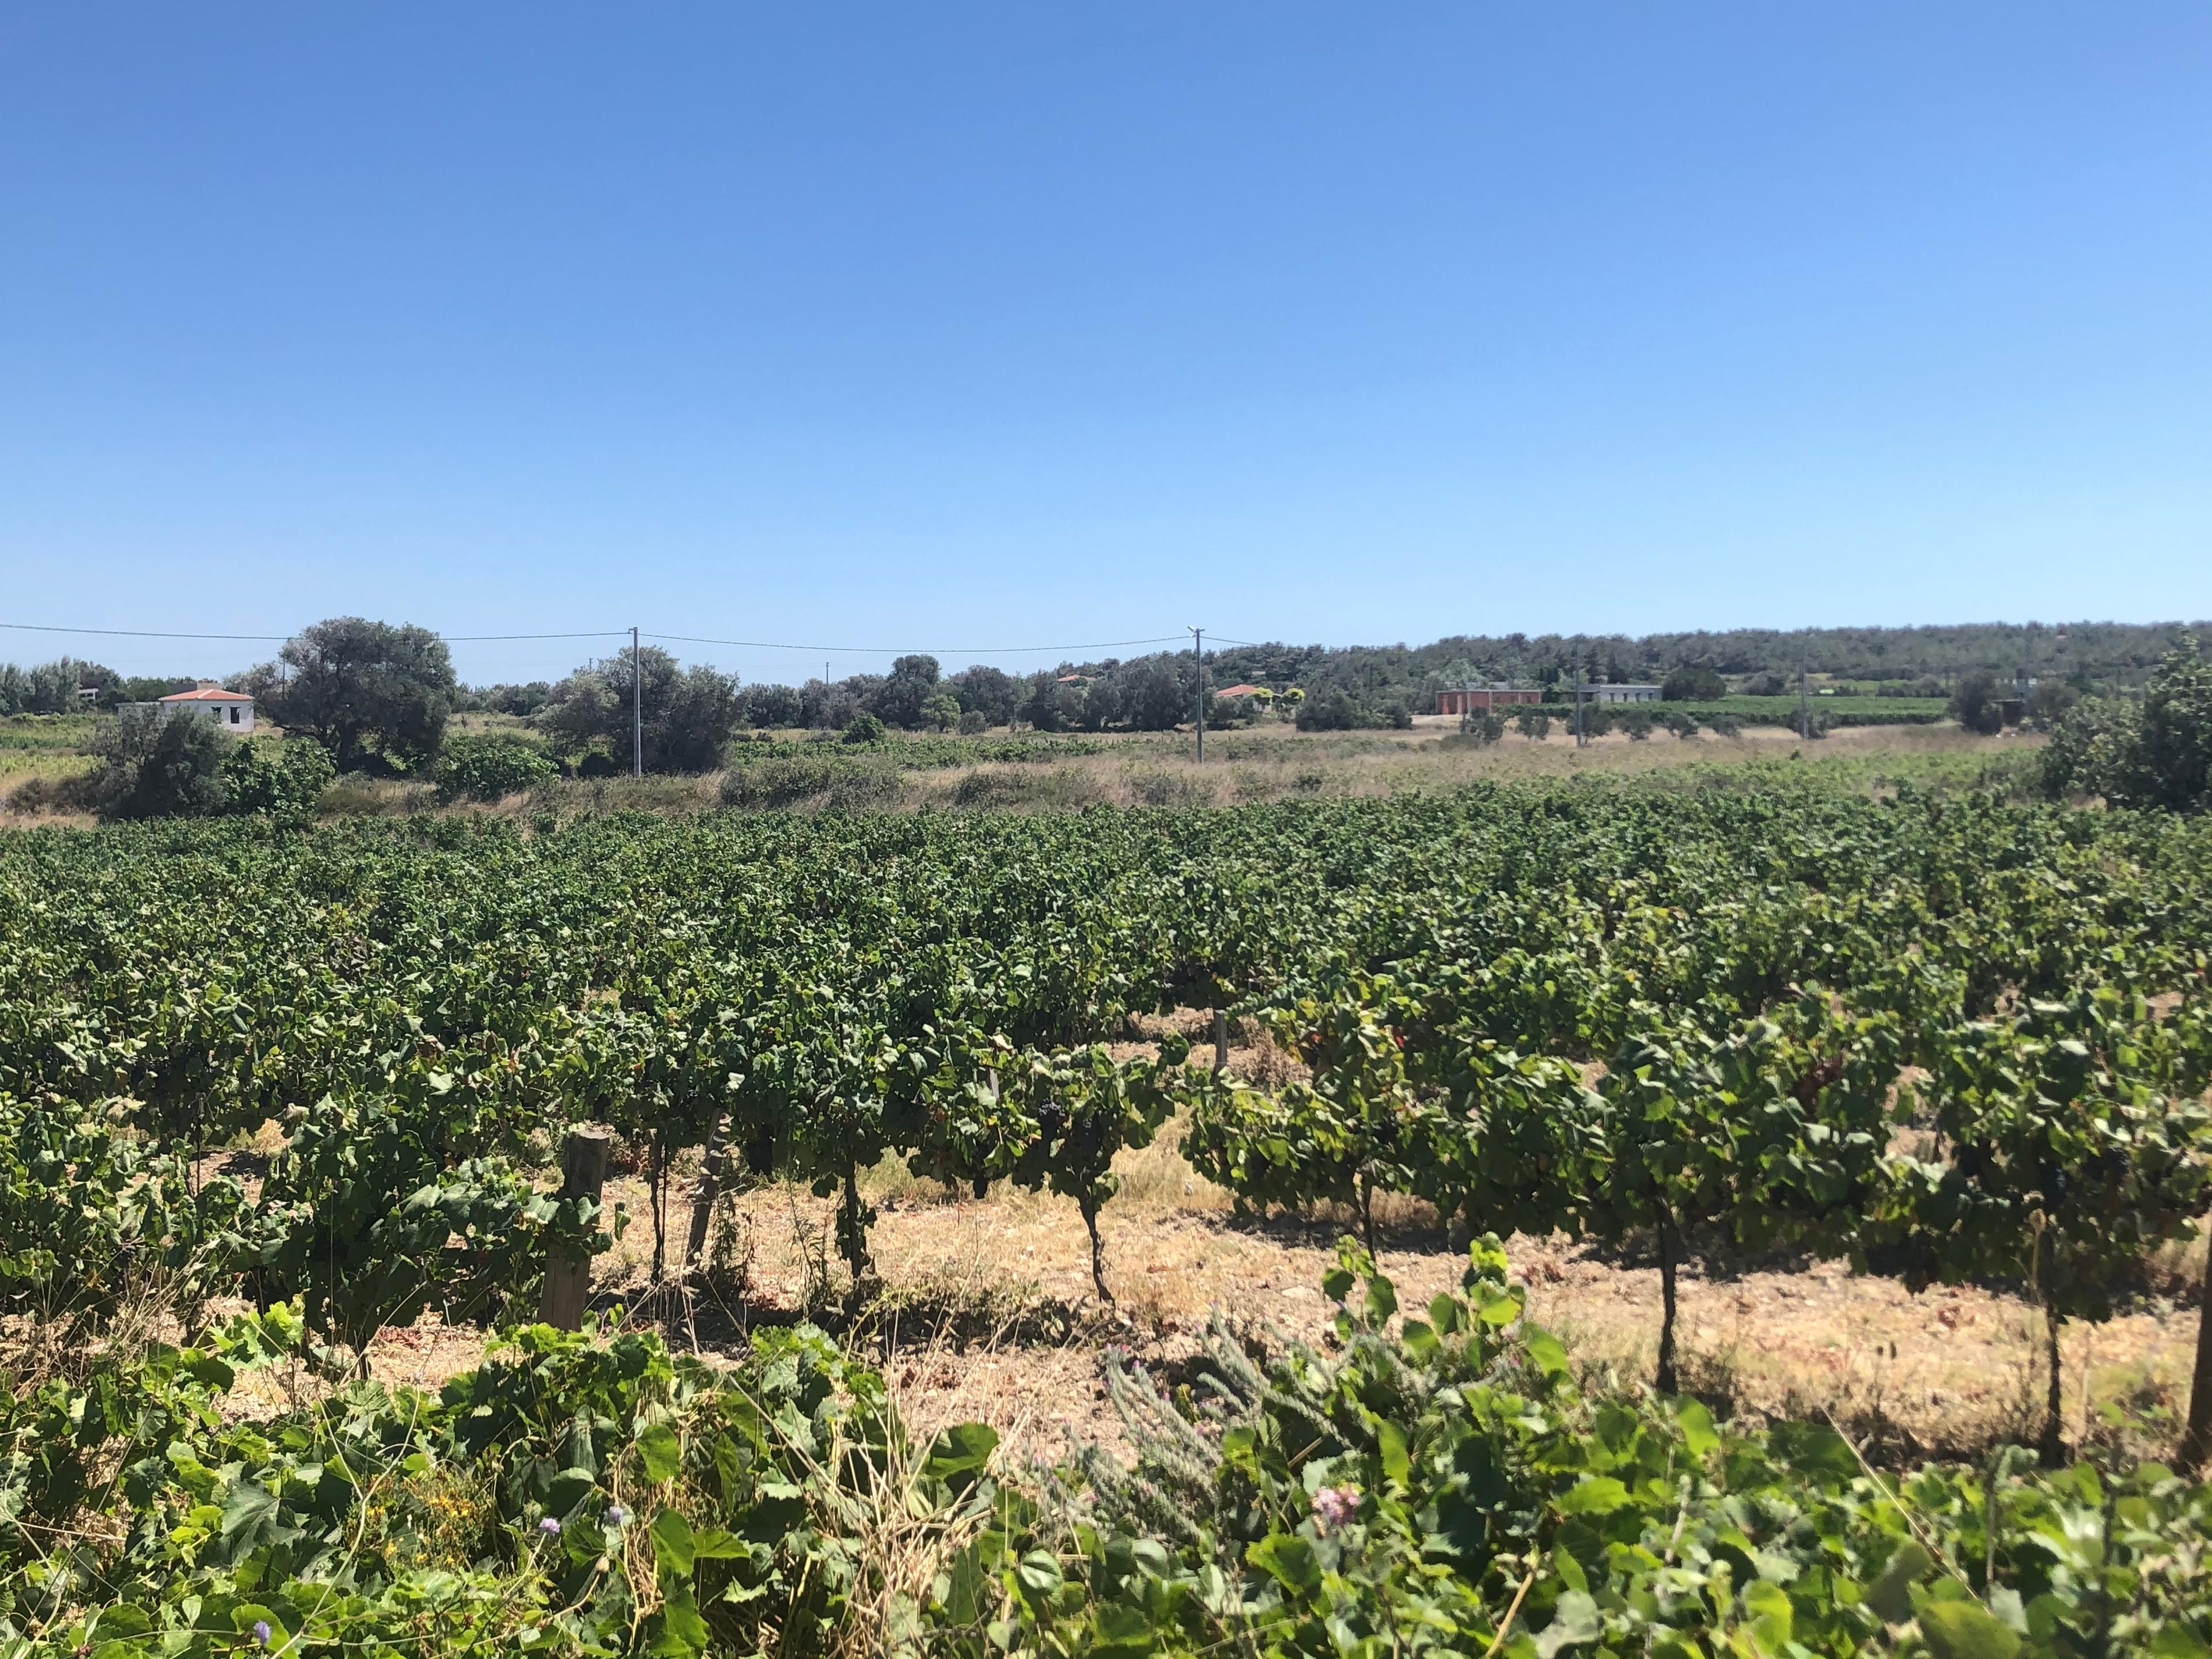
{"x": 267, "y": 778}
{"x": 864, "y": 789}
{"x": 160, "y": 767}
{"x": 2154, "y": 753}
{"x": 972, "y": 723}
{"x": 1976, "y": 705}
{"x": 865, "y": 728}
{"x": 1693, "y": 683}
{"x": 1061, "y": 787}
{"x": 490, "y": 767}
{"x": 1332, "y": 711}
{"x": 1535, "y": 724}
{"x": 778, "y": 783}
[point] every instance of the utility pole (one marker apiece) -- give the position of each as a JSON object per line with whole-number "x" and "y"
{"x": 636, "y": 709}
{"x": 1198, "y": 650}
{"x": 1580, "y": 739}
{"x": 1804, "y": 702}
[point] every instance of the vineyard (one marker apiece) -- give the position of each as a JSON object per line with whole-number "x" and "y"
{"x": 1947, "y": 1038}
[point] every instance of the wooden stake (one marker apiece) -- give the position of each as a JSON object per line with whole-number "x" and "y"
{"x": 710, "y": 1184}
{"x": 569, "y": 1275}
{"x": 2196, "y": 1443}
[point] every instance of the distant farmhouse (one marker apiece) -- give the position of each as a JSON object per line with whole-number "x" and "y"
{"x": 1620, "y": 694}
{"x": 1467, "y": 699}
{"x": 231, "y": 710}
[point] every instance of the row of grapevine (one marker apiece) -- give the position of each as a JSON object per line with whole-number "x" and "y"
{"x": 427, "y": 1006}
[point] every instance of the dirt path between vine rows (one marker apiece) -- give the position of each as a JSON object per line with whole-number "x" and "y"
{"x": 990, "y": 1313}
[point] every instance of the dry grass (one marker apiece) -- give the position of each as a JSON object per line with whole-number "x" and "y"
{"x": 988, "y": 1312}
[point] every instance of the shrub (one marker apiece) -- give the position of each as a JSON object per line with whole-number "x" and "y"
{"x": 864, "y": 789}
{"x": 1975, "y": 703}
{"x": 490, "y": 767}
{"x": 778, "y": 783}
{"x": 2154, "y": 753}
{"x": 865, "y": 728}
{"x": 1059, "y": 787}
{"x": 1693, "y": 683}
{"x": 972, "y": 723}
{"x": 279, "y": 780}
{"x": 1332, "y": 711}
{"x": 160, "y": 767}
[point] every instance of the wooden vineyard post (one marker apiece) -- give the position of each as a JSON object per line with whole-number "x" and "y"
{"x": 710, "y": 1184}
{"x": 1220, "y": 1041}
{"x": 2196, "y": 1441}
{"x": 567, "y": 1275}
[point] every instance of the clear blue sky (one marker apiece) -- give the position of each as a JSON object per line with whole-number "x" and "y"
{"x": 960, "y": 325}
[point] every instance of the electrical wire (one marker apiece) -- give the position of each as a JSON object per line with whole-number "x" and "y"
{"x": 145, "y": 632}
{"x": 899, "y": 651}
{"x": 616, "y": 633}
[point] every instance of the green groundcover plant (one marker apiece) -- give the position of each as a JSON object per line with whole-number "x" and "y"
{"x": 1430, "y": 1481}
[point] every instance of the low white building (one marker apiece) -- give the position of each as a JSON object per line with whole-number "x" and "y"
{"x": 1596, "y": 693}
{"x": 231, "y": 710}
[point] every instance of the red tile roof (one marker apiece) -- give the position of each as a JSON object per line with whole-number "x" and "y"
{"x": 1240, "y": 690}
{"x": 208, "y": 694}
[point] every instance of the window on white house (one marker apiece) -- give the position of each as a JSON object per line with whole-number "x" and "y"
{"x": 234, "y": 714}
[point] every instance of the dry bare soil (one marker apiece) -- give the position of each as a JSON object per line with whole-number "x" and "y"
{"x": 987, "y": 1312}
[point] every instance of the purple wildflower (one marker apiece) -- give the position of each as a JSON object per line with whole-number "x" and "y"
{"x": 616, "y": 1514}
{"x": 261, "y": 1631}
{"x": 1334, "y": 1506}
{"x": 550, "y": 1527}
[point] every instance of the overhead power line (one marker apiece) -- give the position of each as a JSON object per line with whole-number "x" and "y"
{"x": 920, "y": 650}
{"x": 145, "y": 632}
{"x": 617, "y": 633}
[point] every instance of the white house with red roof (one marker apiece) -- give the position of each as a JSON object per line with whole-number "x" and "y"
{"x": 231, "y": 710}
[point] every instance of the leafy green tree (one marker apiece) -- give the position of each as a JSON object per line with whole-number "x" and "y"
{"x": 1154, "y": 696}
{"x": 370, "y": 693}
{"x": 2098, "y": 751}
{"x": 2154, "y": 753}
{"x": 769, "y": 707}
{"x": 990, "y": 692}
{"x": 2050, "y": 702}
{"x": 941, "y": 711}
{"x": 1693, "y": 682}
{"x": 1535, "y": 723}
{"x": 156, "y": 764}
{"x": 687, "y": 714}
{"x": 1328, "y": 711}
{"x": 865, "y": 728}
{"x": 1976, "y": 703}
{"x": 2176, "y": 729}
{"x": 903, "y": 698}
